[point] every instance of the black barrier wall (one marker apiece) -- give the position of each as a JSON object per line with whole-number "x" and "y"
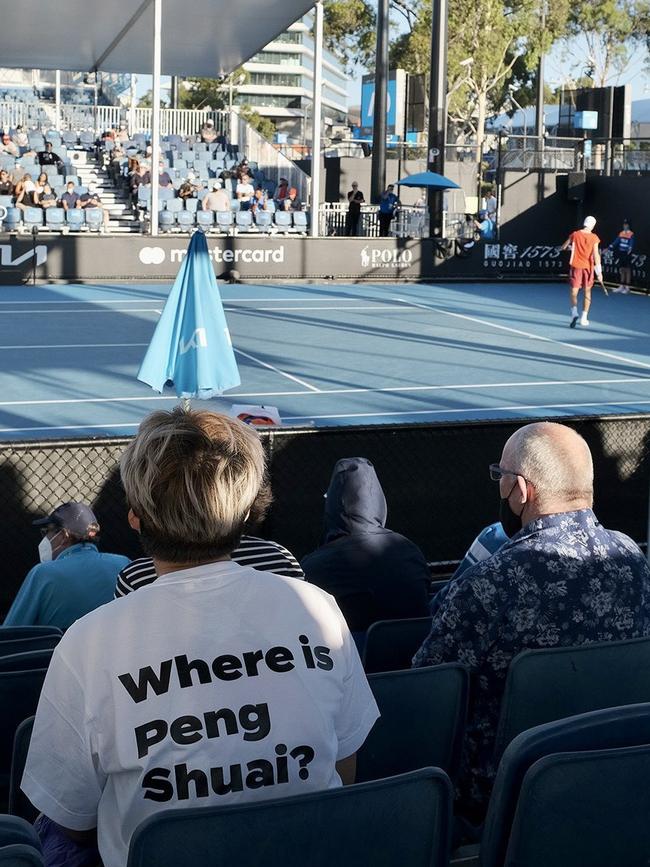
{"x": 435, "y": 478}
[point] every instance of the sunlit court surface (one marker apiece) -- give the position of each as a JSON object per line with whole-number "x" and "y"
{"x": 327, "y": 354}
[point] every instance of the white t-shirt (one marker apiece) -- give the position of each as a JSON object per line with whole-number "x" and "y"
{"x": 245, "y": 190}
{"x": 217, "y": 684}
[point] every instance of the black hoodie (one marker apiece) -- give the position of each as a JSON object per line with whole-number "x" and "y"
{"x": 373, "y": 573}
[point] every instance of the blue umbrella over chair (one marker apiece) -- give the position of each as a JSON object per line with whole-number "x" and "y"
{"x": 191, "y": 347}
{"x": 429, "y": 179}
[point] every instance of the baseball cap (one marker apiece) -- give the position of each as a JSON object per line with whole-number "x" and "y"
{"x": 78, "y": 518}
{"x": 589, "y": 222}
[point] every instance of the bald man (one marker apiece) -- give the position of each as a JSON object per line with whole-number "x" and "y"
{"x": 560, "y": 580}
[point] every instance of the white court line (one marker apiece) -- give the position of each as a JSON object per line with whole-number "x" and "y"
{"x": 325, "y": 392}
{"x": 277, "y": 370}
{"x": 377, "y": 307}
{"x": 158, "y": 300}
{"x": 70, "y": 345}
{"x": 612, "y": 355}
{"x": 67, "y": 311}
{"x": 453, "y": 411}
{"x": 80, "y": 301}
{"x": 80, "y": 427}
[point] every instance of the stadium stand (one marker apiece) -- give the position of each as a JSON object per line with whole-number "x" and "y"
{"x": 392, "y": 644}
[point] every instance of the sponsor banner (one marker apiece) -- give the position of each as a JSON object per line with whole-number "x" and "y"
{"x": 547, "y": 259}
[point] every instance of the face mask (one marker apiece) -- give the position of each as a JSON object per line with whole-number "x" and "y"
{"x": 45, "y": 549}
{"x": 510, "y": 521}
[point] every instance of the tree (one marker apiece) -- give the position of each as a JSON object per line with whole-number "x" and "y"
{"x": 212, "y": 93}
{"x": 264, "y": 125}
{"x": 349, "y": 31}
{"x": 146, "y": 101}
{"x": 609, "y": 31}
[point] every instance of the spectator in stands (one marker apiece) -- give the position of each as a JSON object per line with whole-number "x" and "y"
{"x": 216, "y": 200}
{"x": 491, "y": 204}
{"x": 243, "y": 170}
{"x": 101, "y": 757}
{"x": 92, "y": 199}
{"x": 41, "y": 180}
{"x": 222, "y": 141}
{"x": 281, "y": 191}
{"x": 245, "y": 192}
{"x": 487, "y": 543}
{"x": 561, "y": 580}
{"x": 24, "y": 192}
{"x": 72, "y": 578}
{"x": 46, "y": 198}
{"x": 388, "y": 205}
{"x": 122, "y": 134}
{"x": 134, "y": 178}
{"x": 259, "y": 199}
{"x": 70, "y": 198}
{"x": 207, "y": 132}
{"x": 6, "y": 185}
{"x": 189, "y": 188}
{"x": 251, "y": 551}
{"x": 353, "y": 216}
{"x": 7, "y": 146}
{"x": 372, "y": 572}
{"x": 164, "y": 179}
{"x": 20, "y": 139}
{"x": 292, "y": 202}
{"x": 48, "y": 157}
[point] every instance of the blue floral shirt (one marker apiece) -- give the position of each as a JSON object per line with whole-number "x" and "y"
{"x": 562, "y": 580}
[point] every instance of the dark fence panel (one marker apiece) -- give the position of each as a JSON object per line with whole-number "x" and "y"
{"x": 435, "y": 478}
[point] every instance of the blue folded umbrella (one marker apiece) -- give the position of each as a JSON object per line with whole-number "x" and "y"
{"x": 429, "y": 179}
{"x": 191, "y": 347}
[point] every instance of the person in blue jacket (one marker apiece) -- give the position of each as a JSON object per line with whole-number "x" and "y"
{"x": 624, "y": 245}
{"x": 373, "y": 573}
{"x": 72, "y": 578}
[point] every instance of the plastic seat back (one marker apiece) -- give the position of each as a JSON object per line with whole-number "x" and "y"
{"x": 282, "y": 220}
{"x": 401, "y": 820}
{"x": 392, "y": 644}
{"x": 244, "y": 220}
{"x": 25, "y": 661}
{"x": 19, "y": 804}
{"x": 33, "y": 218}
{"x": 20, "y": 855}
{"x": 224, "y": 220}
{"x": 205, "y": 219}
{"x": 19, "y": 694}
{"x": 75, "y": 218}
{"x": 263, "y": 220}
{"x": 601, "y": 729}
{"x": 55, "y": 218}
{"x": 552, "y": 683}
{"x": 185, "y": 219}
{"x": 166, "y": 219}
{"x": 13, "y": 219}
{"x": 422, "y": 722}
{"x": 94, "y": 218}
{"x": 586, "y": 808}
{"x": 14, "y": 829}
{"x": 11, "y": 633}
{"x": 300, "y": 220}
{"x": 27, "y": 643}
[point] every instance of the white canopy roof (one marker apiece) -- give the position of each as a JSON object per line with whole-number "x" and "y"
{"x": 204, "y": 38}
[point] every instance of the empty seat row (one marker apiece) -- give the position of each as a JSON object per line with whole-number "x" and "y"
{"x": 227, "y": 221}
{"x": 55, "y": 219}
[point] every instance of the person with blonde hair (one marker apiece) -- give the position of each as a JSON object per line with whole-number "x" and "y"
{"x": 560, "y": 580}
{"x": 217, "y": 683}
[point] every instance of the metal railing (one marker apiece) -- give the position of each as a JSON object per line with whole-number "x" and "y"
{"x": 409, "y": 221}
{"x": 271, "y": 161}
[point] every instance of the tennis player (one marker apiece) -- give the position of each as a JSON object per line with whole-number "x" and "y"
{"x": 583, "y": 265}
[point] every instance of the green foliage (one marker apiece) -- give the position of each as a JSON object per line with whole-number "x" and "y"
{"x": 264, "y": 125}
{"x": 349, "y": 31}
{"x": 201, "y": 93}
{"x": 146, "y": 101}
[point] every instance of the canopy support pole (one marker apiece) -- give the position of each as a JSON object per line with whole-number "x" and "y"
{"x": 57, "y": 99}
{"x": 155, "y": 114}
{"x": 316, "y": 120}
{"x": 437, "y": 113}
{"x": 378, "y": 166}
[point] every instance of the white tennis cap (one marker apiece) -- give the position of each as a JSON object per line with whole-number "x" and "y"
{"x": 589, "y": 222}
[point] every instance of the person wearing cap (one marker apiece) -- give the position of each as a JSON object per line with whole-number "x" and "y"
{"x": 624, "y": 245}
{"x": 72, "y": 578}
{"x": 281, "y": 191}
{"x": 583, "y": 265}
{"x": 217, "y": 200}
{"x": 484, "y": 226}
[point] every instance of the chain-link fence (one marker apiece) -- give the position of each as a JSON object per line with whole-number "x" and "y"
{"x": 434, "y": 476}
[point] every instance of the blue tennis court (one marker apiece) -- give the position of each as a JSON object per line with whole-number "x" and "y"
{"x": 327, "y": 354}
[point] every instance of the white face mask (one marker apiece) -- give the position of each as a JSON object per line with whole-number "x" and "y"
{"x": 45, "y": 549}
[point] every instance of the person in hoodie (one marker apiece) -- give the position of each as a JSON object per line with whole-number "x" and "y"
{"x": 372, "y": 572}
